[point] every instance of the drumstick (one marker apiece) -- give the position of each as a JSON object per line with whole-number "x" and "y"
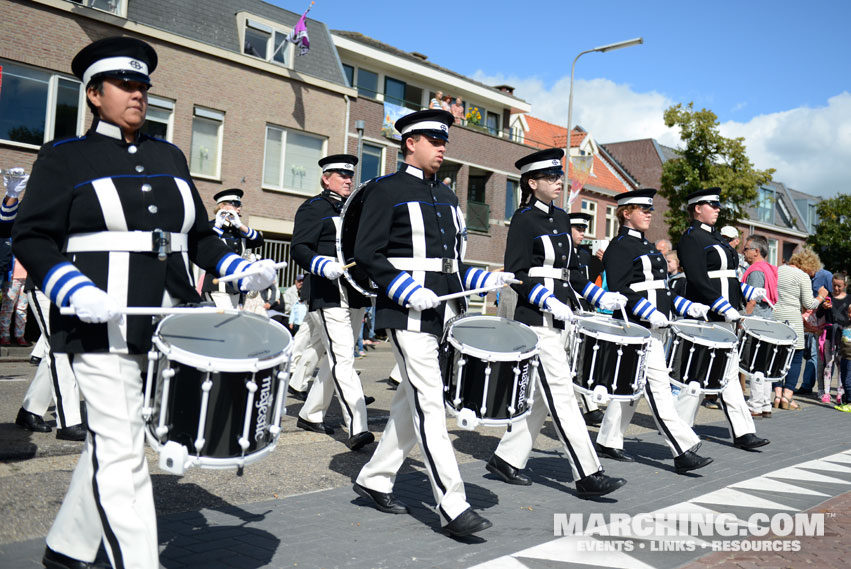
{"x": 160, "y": 310}
{"x": 248, "y": 273}
{"x": 473, "y": 291}
{"x": 349, "y": 266}
{"x": 625, "y": 319}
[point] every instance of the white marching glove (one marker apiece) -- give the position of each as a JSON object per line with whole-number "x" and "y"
{"x": 423, "y": 299}
{"x": 94, "y": 306}
{"x": 263, "y": 278}
{"x": 658, "y": 320}
{"x": 559, "y": 310}
{"x": 758, "y": 294}
{"x": 612, "y": 301}
{"x": 332, "y": 270}
{"x": 233, "y": 218}
{"x": 697, "y": 310}
{"x": 15, "y": 181}
{"x": 499, "y": 278}
{"x": 221, "y": 218}
{"x": 732, "y": 315}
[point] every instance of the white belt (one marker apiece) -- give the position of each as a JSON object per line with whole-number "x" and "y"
{"x": 723, "y": 274}
{"x": 647, "y": 285}
{"x": 131, "y": 241}
{"x": 424, "y": 264}
{"x": 550, "y": 273}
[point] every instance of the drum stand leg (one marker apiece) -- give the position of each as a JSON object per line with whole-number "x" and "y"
{"x": 147, "y": 410}
{"x": 202, "y": 416}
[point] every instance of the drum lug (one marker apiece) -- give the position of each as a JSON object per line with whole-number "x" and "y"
{"x": 173, "y": 458}
{"x": 758, "y": 378}
{"x": 467, "y": 419}
{"x": 693, "y": 388}
{"x": 600, "y": 394}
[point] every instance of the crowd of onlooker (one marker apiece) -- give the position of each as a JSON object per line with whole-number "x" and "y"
{"x": 441, "y": 101}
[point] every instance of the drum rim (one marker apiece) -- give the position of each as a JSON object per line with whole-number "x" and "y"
{"x": 216, "y": 463}
{"x": 338, "y": 245}
{"x": 214, "y": 364}
{"x": 702, "y": 341}
{"x": 746, "y": 319}
{"x": 643, "y": 339}
{"x": 489, "y": 356}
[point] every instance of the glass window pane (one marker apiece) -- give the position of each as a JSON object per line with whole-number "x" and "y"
{"x": 255, "y": 43}
{"x": 413, "y": 97}
{"x": 367, "y": 83}
{"x": 204, "y": 154}
{"x": 394, "y": 91}
{"x": 280, "y": 48}
{"x": 23, "y": 104}
{"x": 301, "y": 171}
{"x": 510, "y": 198}
{"x": 400, "y": 159}
{"x": 350, "y": 74}
{"x": 156, "y": 122}
{"x": 370, "y": 162}
{"x": 67, "y": 108}
{"x": 493, "y": 123}
{"x": 272, "y": 158}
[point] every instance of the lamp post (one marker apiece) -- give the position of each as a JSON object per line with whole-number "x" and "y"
{"x": 601, "y": 49}
{"x": 359, "y": 126}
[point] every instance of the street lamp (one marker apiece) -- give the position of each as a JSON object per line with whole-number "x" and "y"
{"x": 359, "y": 126}
{"x": 601, "y": 49}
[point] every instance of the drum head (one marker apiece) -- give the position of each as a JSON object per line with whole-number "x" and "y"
{"x": 704, "y": 333}
{"x": 596, "y": 325}
{"x": 496, "y": 336}
{"x": 349, "y": 221}
{"x": 774, "y": 332}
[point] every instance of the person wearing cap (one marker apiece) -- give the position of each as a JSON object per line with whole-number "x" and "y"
{"x": 636, "y": 269}
{"x": 539, "y": 250}
{"x": 410, "y": 241}
{"x": 710, "y": 267}
{"x": 113, "y": 220}
{"x": 338, "y": 306}
{"x": 238, "y": 237}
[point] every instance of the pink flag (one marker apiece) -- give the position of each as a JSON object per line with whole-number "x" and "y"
{"x": 299, "y": 34}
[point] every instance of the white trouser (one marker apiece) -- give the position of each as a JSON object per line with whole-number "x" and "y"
{"x": 40, "y": 348}
{"x": 657, "y": 392}
{"x": 761, "y": 396}
{"x": 307, "y": 349}
{"x": 587, "y": 402}
{"x": 225, "y": 300}
{"x": 417, "y": 415}
{"x": 338, "y": 371}
{"x": 732, "y": 400}
{"x": 553, "y": 393}
{"x": 54, "y": 380}
{"x": 110, "y": 497}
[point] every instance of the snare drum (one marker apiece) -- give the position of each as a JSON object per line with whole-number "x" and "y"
{"x": 700, "y": 352}
{"x": 215, "y": 390}
{"x": 607, "y": 358}
{"x": 489, "y": 366}
{"x": 766, "y": 347}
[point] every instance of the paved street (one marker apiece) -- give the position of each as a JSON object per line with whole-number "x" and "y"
{"x": 297, "y": 509}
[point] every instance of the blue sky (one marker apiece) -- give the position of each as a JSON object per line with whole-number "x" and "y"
{"x": 777, "y": 73}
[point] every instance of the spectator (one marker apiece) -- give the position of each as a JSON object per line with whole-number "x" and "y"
{"x": 845, "y": 362}
{"x": 457, "y": 110}
{"x": 293, "y": 294}
{"x": 297, "y": 313}
{"x": 760, "y": 274}
{"x": 835, "y": 312}
{"x": 436, "y": 101}
{"x": 813, "y": 329}
{"x": 445, "y": 103}
{"x": 731, "y": 234}
{"x": 14, "y": 306}
{"x": 676, "y": 277}
{"x": 447, "y": 181}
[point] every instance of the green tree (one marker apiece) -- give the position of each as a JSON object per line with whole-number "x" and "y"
{"x": 707, "y": 160}
{"x": 832, "y": 237}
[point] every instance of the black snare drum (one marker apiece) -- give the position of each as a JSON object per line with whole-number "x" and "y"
{"x": 700, "y": 352}
{"x": 766, "y": 347}
{"x": 489, "y": 367}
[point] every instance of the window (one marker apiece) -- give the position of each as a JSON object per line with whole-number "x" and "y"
{"x": 765, "y": 206}
{"x": 400, "y": 159}
{"x": 37, "y": 106}
{"x": 112, "y": 6}
{"x": 492, "y": 123}
{"x": 772, "y": 251}
{"x": 367, "y": 83}
{"x": 512, "y": 197}
{"x": 611, "y": 222}
{"x": 350, "y": 74}
{"x": 266, "y": 42}
{"x": 205, "y": 151}
{"x": 400, "y": 93}
{"x": 812, "y": 217}
{"x": 590, "y": 208}
{"x": 158, "y": 121}
{"x": 370, "y": 163}
{"x": 290, "y": 161}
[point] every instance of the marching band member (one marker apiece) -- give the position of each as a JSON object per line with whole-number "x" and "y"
{"x": 410, "y": 241}
{"x": 710, "y": 267}
{"x": 539, "y": 250}
{"x": 339, "y": 307}
{"x": 237, "y": 236}
{"x": 638, "y": 271}
{"x": 113, "y": 220}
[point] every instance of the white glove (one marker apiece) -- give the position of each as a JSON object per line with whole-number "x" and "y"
{"x": 498, "y": 278}
{"x": 732, "y": 315}
{"x": 221, "y": 218}
{"x": 15, "y": 182}
{"x": 93, "y": 305}
{"x": 758, "y": 294}
{"x": 423, "y": 299}
{"x": 612, "y": 301}
{"x": 263, "y": 278}
{"x": 332, "y": 270}
{"x": 559, "y": 310}
{"x": 697, "y": 310}
{"x": 658, "y": 320}
{"x": 233, "y": 218}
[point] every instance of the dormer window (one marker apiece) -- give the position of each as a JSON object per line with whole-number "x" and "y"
{"x": 265, "y": 40}
{"x": 117, "y": 7}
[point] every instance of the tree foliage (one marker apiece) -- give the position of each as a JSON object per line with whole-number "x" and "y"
{"x": 832, "y": 237}
{"x": 707, "y": 160}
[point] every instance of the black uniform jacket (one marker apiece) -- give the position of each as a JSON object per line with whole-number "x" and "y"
{"x": 98, "y": 183}
{"x": 703, "y": 250}
{"x": 540, "y": 236}
{"x": 579, "y": 276}
{"x": 237, "y": 242}
{"x": 314, "y": 235}
{"x": 406, "y": 215}
{"x": 7, "y": 216}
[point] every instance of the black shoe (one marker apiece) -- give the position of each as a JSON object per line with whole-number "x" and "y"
{"x": 32, "y": 422}
{"x": 55, "y": 560}
{"x": 690, "y": 460}
{"x": 749, "y": 442}
{"x": 369, "y": 399}
{"x": 597, "y": 484}
{"x": 35, "y": 360}
{"x": 711, "y": 404}
{"x": 506, "y": 472}
{"x": 314, "y": 427}
{"x": 614, "y": 453}
{"x": 296, "y": 394}
{"x": 468, "y": 523}
{"x": 360, "y": 440}
{"x": 593, "y": 418}
{"x": 382, "y": 502}
{"x": 72, "y": 433}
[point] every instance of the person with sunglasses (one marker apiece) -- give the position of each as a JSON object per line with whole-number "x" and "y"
{"x": 710, "y": 267}
{"x": 636, "y": 269}
{"x": 238, "y": 237}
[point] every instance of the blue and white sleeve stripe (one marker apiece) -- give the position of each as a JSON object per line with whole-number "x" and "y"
{"x": 539, "y": 296}
{"x": 643, "y": 309}
{"x": 317, "y": 265}
{"x": 747, "y": 291}
{"x": 10, "y": 212}
{"x": 593, "y": 294}
{"x": 230, "y": 264}
{"x": 475, "y": 278}
{"x": 401, "y": 288}
{"x": 251, "y": 235}
{"x": 681, "y": 305}
{"x": 721, "y": 306}
{"x": 62, "y": 281}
